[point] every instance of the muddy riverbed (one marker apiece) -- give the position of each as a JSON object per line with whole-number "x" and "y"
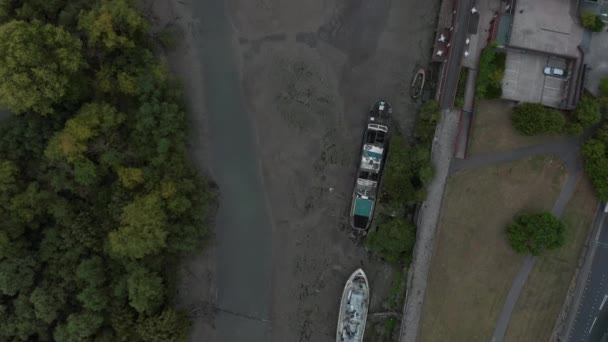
{"x": 279, "y": 92}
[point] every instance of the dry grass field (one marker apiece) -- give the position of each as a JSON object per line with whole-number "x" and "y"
{"x": 473, "y": 265}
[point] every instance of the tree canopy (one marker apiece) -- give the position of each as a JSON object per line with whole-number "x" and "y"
{"x": 38, "y": 63}
{"x": 490, "y": 72}
{"x": 393, "y": 239}
{"x": 534, "y": 118}
{"x": 591, "y": 21}
{"x": 535, "y": 233}
{"x": 587, "y": 112}
{"x": 97, "y": 196}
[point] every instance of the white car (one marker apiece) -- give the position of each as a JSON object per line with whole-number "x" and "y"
{"x": 554, "y": 72}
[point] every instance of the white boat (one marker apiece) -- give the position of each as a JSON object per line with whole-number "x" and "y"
{"x": 353, "y": 308}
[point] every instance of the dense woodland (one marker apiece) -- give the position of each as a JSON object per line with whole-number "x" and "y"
{"x": 97, "y": 196}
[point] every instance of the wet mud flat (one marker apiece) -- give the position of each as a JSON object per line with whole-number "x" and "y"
{"x": 298, "y": 78}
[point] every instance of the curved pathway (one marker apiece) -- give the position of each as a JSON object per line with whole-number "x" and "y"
{"x": 566, "y": 149}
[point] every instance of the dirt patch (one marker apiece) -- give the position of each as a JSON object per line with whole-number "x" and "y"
{"x": 492, "y": 130}
{"x": 473, "y": 265}
{"x": 543, "y": 295}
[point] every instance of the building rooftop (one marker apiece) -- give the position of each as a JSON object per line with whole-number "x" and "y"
{"x": 547, "y": 26}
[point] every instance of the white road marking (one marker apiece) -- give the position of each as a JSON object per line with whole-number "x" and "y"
{"x": 603, "y": 301}
{"x": 595, "y": 319}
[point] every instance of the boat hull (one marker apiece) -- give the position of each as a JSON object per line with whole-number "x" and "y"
{"x": 353, "y": 308}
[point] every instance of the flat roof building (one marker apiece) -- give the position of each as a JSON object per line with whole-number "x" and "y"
{"x": 535, "y": 35}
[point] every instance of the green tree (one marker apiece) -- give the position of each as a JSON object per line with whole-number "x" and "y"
{"x": 130, "y": 177}
{"x": 596, "y": 166}
{"x": 72, "y": 141}
{"x": 588, "y": 112}
{"x": 37, "y": 63}
{"x": 535, "y": 233}
{"x": 16, "y": 274}
{"x": 94, "y": 298}
{"x": 142, "y": 231}
{"x": 591, "y": 21}
{"x": 427, "y": 121}
{"x": 169, "y": 326}
{"x": 603, "y": 86}
{"x": 145, "y": 290}
{"x": 398, "y": 173}
{"x": 78, "y": 327}
{"x": 91, "y": 271}
{"x": 48, "y": 301}
{"x": 393, "y": 239}
{"x": 490, "y": 72}
{"x": 534, "y": 118}
{"x": 113, "y": 24}
{"x": 22, "y": 323}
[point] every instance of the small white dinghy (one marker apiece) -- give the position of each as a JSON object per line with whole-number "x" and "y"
{"x": 353, "y": 308}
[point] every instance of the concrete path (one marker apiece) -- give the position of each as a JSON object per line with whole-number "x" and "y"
{"x": 443, "y": 150}
{"x": 566, "y": 149}
{"x": 514, "y": 292}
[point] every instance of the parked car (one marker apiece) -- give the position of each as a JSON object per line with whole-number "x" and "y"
{"x": 555, "y": 72}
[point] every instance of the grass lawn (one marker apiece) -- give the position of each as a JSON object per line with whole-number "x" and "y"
{"x": 473, "y": 265}
{"x": 543, "y": 295}
{"x": 492, "y": 130}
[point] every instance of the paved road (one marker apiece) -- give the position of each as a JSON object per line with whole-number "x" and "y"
{"x": 461, "y": 26}
{"x": 243, "y": 230}
{"x": 591, "y": 320}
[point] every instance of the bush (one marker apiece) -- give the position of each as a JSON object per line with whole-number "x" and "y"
{"x": 393, "y": 239}
{"x": 490, "y": 73}
{"x": 591, "y": 21}
{"x": 535, "y": 233}
{"x": 596, "y": 166}
{"x": 587, "y": 112}
{"x": 427, "y": 121}
{"x": 534, "y": 118}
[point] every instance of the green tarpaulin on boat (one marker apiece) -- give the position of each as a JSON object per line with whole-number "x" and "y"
{"x": 363, "y": 207}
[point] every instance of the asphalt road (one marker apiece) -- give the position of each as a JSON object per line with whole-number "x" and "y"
{"x": 591, "y": 322}
{"x": 243, "y": 229}
{"x": 452, "y": 71}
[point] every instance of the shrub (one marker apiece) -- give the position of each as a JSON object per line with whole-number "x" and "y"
{"x": 427, "y": 121}
{"x": 393, "y": 239}
{"x": 596, "y": 166}
{"x": 591, "y": 21}
{"x": 588, "y": 112}
{"x": 534, "y": 233}
{"x": 534, "y": 118}
{"x": 490, "y": 73}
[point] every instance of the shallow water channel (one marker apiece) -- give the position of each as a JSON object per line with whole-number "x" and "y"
{"x": 243, "y": 230}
